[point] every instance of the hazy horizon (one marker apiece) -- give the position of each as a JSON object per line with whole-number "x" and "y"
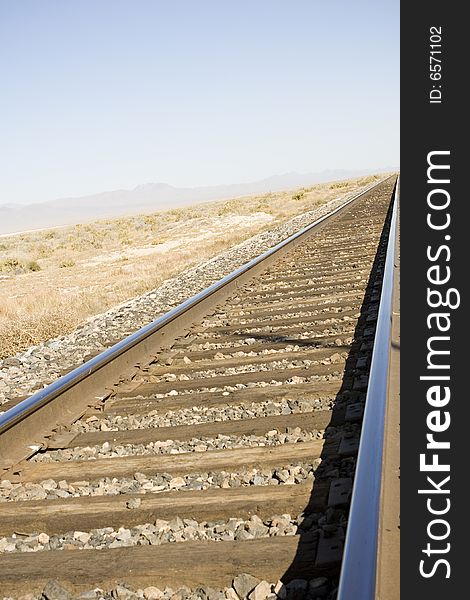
{"x": 111, "y": 95}
{"x": 148, "y": 198}
{"x": 382, "y": 169}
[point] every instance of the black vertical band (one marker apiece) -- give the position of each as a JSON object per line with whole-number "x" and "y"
{"x": 434, "y": 290}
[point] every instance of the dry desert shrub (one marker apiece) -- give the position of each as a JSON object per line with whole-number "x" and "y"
{"x": 25, "y": 323}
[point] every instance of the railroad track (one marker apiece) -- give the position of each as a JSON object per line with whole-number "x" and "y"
{"x": 211, "y": 455}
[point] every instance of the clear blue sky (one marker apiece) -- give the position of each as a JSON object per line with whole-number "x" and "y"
{"x": 104, "y": 94}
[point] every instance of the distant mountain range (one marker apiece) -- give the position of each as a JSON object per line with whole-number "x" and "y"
{"x": 148, "y": 198}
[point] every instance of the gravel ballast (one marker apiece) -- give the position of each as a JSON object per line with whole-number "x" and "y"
{"x": 177, "y": 530}
{"x": 299, "y": 472}
{"x": 200, "y": 414}
{"x": 244, "y": 587}
{"x": 202, "y": 444}
{"x": 142, "y": 484}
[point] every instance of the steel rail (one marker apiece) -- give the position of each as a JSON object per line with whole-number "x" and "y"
{"x": 39, "y": 399}
{"x": 359, "y": 566}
